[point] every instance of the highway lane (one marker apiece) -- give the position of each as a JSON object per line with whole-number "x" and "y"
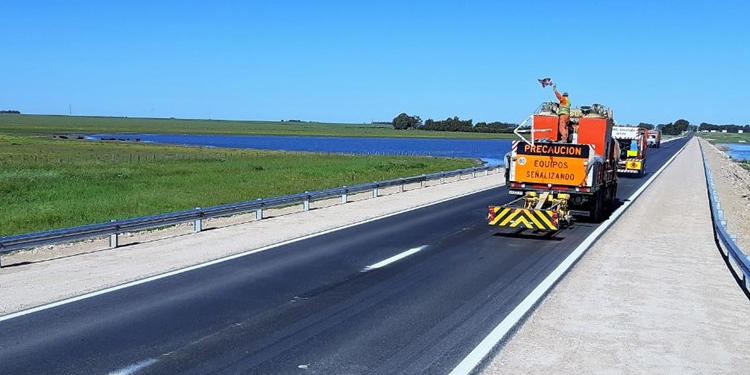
{"x": 308, "y": 307}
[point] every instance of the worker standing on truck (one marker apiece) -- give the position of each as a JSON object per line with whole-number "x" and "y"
{"x": 563, "y": 113}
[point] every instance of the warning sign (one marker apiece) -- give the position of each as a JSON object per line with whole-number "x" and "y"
{"x": 570, "y": 171}
{"x": 570, "y": 150}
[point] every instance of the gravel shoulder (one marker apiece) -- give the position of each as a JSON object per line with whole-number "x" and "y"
{"x": 43, "y": 275}
{"x": 653, "y": 295}
{"x": 733, "y": 186}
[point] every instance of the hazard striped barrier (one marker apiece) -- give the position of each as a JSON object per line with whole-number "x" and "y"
{"x": 509, "y": 217}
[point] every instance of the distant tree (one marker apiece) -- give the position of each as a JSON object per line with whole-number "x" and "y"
{"x": 675, "y": 128}
{"x": 404, "y": 121}
{"x": 646, "y": 125}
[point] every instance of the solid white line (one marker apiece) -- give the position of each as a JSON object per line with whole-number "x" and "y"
{"x": 132, "y": 369}
{"x": 392, "y": 259}
{"x": 230, "y": 257}
{"x": 477, "y": 355}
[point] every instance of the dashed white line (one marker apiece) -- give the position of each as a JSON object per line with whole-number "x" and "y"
{"x": 135, "y": 367}
{"x": 394, "y": 258}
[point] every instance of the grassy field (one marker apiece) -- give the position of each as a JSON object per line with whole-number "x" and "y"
{"x": 45, "y": 125}
{"x": 726, "y": 137}
{"x": 50, "y": 183}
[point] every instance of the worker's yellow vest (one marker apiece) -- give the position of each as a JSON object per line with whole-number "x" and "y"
{"x": 564, "y": 109}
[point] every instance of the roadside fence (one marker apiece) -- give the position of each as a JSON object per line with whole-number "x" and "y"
{"x": 726, "y": 242}
{"x": 116, "y": 227}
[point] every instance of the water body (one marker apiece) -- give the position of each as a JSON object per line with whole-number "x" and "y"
{"x": 739, "y": 151}
{"x": 490, "y": 151}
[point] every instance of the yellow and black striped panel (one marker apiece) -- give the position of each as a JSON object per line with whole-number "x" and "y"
{"x": 521, "y": 217}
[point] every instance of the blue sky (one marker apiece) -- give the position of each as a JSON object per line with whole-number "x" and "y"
{"x": 352, "y": 61}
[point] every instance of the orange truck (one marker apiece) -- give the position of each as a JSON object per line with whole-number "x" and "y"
{"x": 633, "y": 146}
{"x": 559, "y": 180}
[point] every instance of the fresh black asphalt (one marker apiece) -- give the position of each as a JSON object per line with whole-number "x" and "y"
{"x": 307, "y": 307}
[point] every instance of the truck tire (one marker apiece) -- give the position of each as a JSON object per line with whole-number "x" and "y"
{"x": 596, "y": 208}
{"x": 612, "y": 195}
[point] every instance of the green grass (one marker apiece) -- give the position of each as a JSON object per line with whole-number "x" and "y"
{"x": 745, "y": 164}
{"x": 726, "y": 137}
{"x": 45, "y": 125}
{"x": 50, "y": 183}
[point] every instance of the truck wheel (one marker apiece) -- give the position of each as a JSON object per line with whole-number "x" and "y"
{"x": 612, "y": 195}
{"x": 596, "y": 209}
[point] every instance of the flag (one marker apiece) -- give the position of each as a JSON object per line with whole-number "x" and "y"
{"x": 545, "y": 82}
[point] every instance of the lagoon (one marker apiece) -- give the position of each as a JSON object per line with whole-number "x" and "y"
{"x": 490, "y": 151}
{"x": 738, "y": 151}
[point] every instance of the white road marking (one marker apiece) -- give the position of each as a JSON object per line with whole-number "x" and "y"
{"x": 394, "y": 258}
{"x": 477, "y": 355}
{"x": 135, "y": 367}
{"x": 231, "y": 257}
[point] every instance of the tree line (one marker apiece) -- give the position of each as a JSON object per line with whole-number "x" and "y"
{"x": 404, "y": 121}
{"x": 453, "y": 124}
{"x": 730, "y": 128}
{"x": 10, "y": 111}
{"x": 672, "y": 128}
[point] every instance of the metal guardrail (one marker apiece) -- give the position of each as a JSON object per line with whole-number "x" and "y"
{"x": 724, "y": 240}
{"x": 116, "y": 227}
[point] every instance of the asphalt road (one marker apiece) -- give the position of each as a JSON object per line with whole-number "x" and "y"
{"x": 312, "y": 307}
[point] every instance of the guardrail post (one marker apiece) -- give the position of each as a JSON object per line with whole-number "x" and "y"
{"x": 259, "y": 212}
{"x": 486, "y": 172}
{"x": 344, "y": 198}
{"x": 422, "y": 181}
{"x": 198, "y": 223}
{"x": 113, "y": 238}
{"x": 473, "y": 173}
{"x": 375, "y": 191}
{"x": 306, "y": 203}
{"x": 441, "y": 177}
{"x": 401, "y": 186}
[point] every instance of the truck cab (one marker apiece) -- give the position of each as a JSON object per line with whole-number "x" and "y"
{"x": 654, "y": 138}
